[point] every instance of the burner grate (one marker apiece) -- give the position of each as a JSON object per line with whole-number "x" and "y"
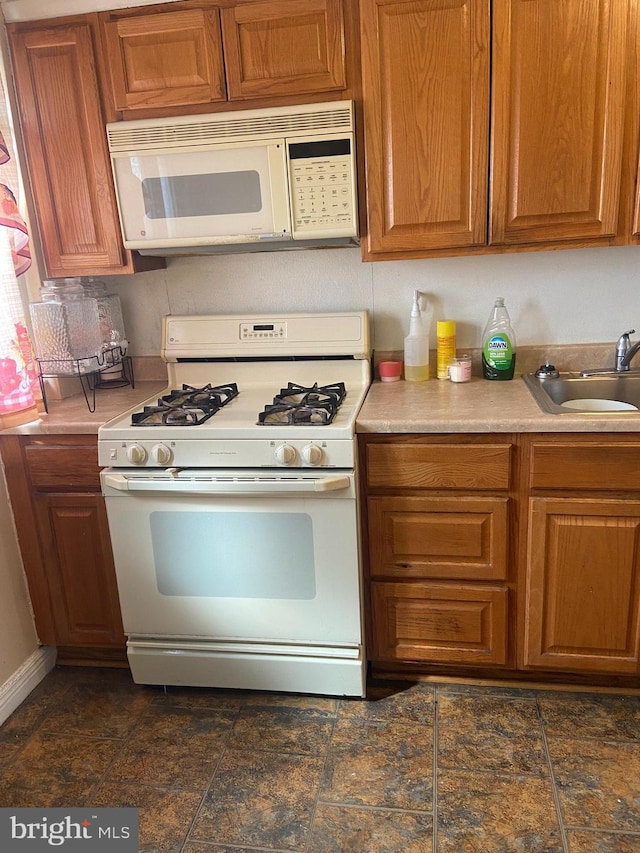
{"x": 187, "y": 406}
{"x": 298, "y": 404}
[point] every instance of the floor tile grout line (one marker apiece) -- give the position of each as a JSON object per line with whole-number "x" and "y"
{"x": 554, "y": 788}
{"x": 314, "y": 811}
{"x": 34, "y": 729}
{"x": 367, "y": 807}
{"x": 125, "y": 741}
{"x": 205, "y": 793}
{"x": 600, "y": 830}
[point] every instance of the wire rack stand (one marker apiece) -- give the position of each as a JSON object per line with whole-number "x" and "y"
{"x": 111, "y": 368}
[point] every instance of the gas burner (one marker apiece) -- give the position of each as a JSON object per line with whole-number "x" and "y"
{"x": 209, "y": 397}
{"x": 297, "y": 404}
{"x": 311, "y": 396}
{"x": 186, "y": 407}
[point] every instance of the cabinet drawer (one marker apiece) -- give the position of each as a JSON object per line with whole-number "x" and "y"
{"x": 602, "y": 465}
{"x": 421, "y": 537}
{"x": 440, "y": 623}
{"x": 439, "y": 466}
{"x": 54, "y": 469}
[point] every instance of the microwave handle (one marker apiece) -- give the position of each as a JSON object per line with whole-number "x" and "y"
{"x": 227, "y": 486}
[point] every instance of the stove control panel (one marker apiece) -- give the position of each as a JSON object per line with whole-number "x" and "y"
{"x": 262, "y": 331}
{"x": 227, "y": 453}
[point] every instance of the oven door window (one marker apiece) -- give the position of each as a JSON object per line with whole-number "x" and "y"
{"x": 234, "y": 555}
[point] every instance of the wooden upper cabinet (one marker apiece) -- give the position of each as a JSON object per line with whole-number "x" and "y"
{"x": 558, "y": 119}
{"x": 425, "y": 76}
{"x": 66, "y": 148}
{"x": 165, "y": 59}
{"x": 283, "y": 47}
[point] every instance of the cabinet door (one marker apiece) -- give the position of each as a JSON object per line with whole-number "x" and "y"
{"x": 439, "y": 623}
{"x": 583, "y": 585}
{"x": 165, "y": 59}
{"x": 434, "y": 537}
{"x": 558, "y": 119}
{"x": 425, "y": 75}
{"x": 283, "y": 47}
{"x": 67, "y": 152}
{"x": 80, "y": 571}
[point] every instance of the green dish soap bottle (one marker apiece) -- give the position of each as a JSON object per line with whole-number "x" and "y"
{"x": 498, "y": 344}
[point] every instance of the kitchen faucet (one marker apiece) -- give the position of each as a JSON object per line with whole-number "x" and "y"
{"x": 625, "y": 351}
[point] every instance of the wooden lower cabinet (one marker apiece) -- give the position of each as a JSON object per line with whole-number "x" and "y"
{"x": 583, "y": 593}
{"x": 581, "y": 573}
{"x": 438, "y": 515}
{"x": 76, "y": 546}
{"x": 517, "y": 556}
{"x": 440, "y": 623}
{"x": 54, "y": 489}
{"x": 461, "y": 537}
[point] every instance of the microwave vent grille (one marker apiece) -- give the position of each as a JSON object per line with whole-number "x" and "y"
{"x": 230, "y": 127}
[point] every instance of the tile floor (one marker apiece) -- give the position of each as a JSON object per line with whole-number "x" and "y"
{"x": 426, "y": 768}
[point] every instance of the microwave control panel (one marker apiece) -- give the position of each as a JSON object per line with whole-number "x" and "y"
{"x": 323, "y": 188}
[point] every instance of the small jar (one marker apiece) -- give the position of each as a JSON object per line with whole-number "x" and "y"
{"x": 460, "y": 368}
{"x": 390, "y": 371}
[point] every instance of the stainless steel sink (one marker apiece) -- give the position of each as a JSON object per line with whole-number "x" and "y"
{"x": 571, "y": 393}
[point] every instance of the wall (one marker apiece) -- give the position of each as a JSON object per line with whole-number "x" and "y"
{"x": 558, "y": 297}
{"x": 17, "y": 632}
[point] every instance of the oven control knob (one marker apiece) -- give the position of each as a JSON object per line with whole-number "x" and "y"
{"x": 136, "y": 454}
{"x": 161, "y": 454}
{"x": 312, "y": 454}
{"x": 285, "y": 454}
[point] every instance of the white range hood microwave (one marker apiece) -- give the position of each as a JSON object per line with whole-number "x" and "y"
{"x": 283, "y": 177}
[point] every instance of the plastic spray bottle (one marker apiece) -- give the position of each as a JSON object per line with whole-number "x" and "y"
{"x": 416, "y": 345}
{"x": 498, "y": 344}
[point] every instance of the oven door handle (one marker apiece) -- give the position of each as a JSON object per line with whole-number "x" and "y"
{"x": 227, "y": 486}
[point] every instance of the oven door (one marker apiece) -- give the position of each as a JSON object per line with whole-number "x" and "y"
{"x": 247, "y": 564}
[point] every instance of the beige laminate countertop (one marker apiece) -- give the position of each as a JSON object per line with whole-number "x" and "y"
{"x": 441, "y": 406}
{"x": 435, "y": 406}
{"x": 72, "y": 414}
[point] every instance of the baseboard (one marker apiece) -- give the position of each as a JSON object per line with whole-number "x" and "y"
{"x": 16, "y": 689}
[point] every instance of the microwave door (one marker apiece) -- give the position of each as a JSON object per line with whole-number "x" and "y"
{"x": 234, "y": 193}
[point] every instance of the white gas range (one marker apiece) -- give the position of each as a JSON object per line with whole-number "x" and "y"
{"x": 232, "y": 505}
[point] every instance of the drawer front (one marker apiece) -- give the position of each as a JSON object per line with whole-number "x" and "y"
{"x": 431, "y": 537}
{"x": 57, "y": 469}
{"x": 603, "y": 466}
{"x": 439, "y": 466}
{"x": 440, "y": 623}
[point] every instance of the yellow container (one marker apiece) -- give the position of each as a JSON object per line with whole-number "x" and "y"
{"x": 446, "y": 346}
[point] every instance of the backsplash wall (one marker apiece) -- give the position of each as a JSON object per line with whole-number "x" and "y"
{"x": 560, "y": 297}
